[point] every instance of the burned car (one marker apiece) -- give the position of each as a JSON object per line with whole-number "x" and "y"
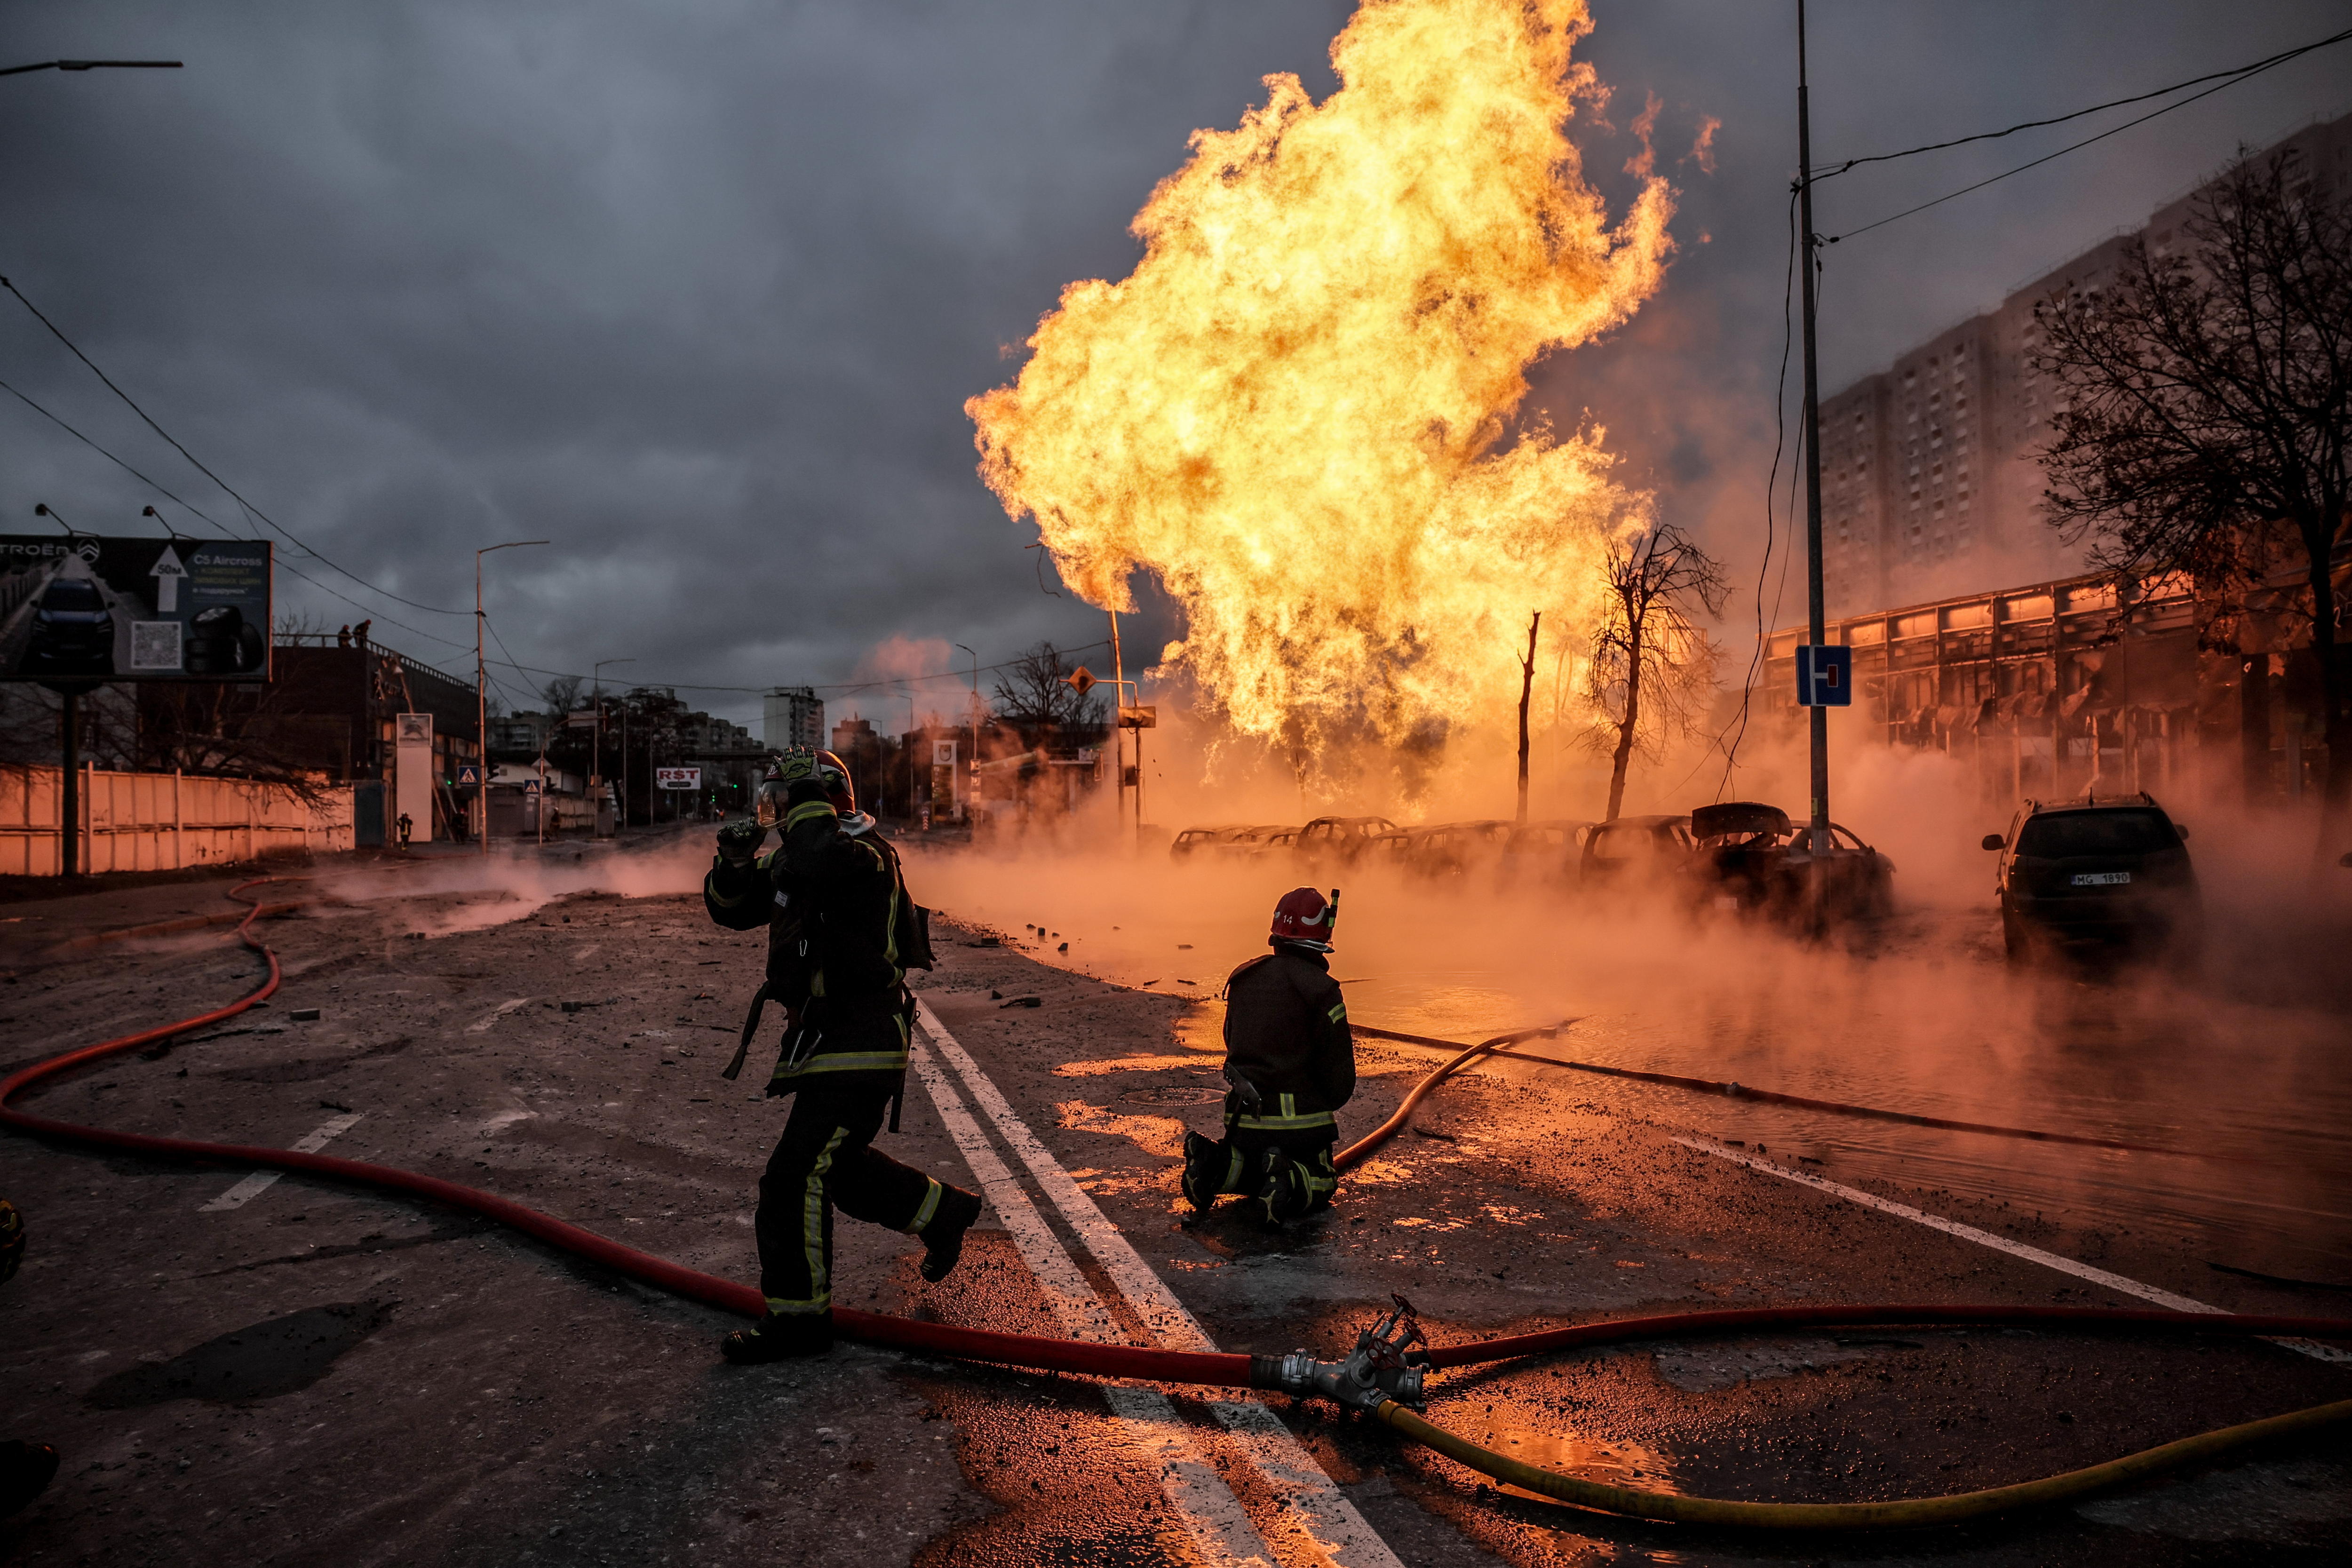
{"x": 1636, "y": 853}
{"x": 1749, "y": 857}
{"x": 1341, "y": 841}
{"x": 2105, "y": 869}
{"x": 1544, "y": 854}
{"x": 1451, "y": 849}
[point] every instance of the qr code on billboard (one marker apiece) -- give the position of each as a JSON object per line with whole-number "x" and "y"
{"x": 155, "y": 645}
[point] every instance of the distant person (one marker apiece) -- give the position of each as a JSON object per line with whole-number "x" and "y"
{"x": 1290, "y": 1060}
{"x": 25, "y": 1469}
{"x": 405, "y": 825}
{"x": 840, "y": 935}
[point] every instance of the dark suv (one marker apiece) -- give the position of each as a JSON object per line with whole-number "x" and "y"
{"x": 2103, "y": 869}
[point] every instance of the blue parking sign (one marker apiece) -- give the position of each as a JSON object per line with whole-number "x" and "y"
{"x": 1824, "y": 675}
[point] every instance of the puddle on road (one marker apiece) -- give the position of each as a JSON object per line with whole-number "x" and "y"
{"x": 260, "y": 1361}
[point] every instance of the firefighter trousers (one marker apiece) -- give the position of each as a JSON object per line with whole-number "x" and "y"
{"x": 1284, "y": 1174}
{"x": 825, "y": 1160}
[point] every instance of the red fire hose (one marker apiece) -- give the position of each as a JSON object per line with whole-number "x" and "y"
{"x": 1236, "y": 1369}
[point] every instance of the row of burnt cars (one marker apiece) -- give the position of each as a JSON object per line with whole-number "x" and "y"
{"x": 1735, "y": 855}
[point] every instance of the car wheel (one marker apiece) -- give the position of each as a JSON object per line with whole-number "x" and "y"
{"x": 2013, "y": 944}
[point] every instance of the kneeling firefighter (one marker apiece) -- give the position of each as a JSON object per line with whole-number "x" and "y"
{"x": 840, "y": 935}
{"x": 1290, "y": 1060}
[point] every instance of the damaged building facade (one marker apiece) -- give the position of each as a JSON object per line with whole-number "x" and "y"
{"x": 2093, "y": 684}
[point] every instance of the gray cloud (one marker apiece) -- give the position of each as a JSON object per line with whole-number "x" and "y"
{"x": 698, "y": 289}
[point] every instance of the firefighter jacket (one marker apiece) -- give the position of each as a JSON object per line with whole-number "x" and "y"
{"x": 832, "y": 899}
{"x": 1287, "y": 1036}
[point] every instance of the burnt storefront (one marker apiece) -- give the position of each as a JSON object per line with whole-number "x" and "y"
{"x": 2091, "y": 683}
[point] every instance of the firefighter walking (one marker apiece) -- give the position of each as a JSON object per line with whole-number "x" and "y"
{"x": 840, "y": 935}
{"x": 1290, "y": 1063}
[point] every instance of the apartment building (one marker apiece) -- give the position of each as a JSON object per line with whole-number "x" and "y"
{"x": 1930, "y": 483}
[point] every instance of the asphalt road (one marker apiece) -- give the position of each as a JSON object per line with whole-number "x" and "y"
{"x": 306, "y": 1374}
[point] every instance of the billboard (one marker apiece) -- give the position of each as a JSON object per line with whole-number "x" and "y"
{"x": 86, "y": 608}
{"x": 678, "y": 778}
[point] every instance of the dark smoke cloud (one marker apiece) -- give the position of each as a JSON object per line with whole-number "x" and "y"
{"x": 698, "y": 289}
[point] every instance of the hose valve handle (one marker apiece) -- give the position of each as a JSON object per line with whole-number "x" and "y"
{"x": 1388, "y": 1364}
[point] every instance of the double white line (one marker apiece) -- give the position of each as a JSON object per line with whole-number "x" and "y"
{"x": 1312, "y": 1519}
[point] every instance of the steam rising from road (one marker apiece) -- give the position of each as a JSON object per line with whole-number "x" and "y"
{"x": 1297, "y": 410}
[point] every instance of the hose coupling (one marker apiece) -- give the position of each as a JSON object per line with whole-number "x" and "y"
{"x": 1388, "y": 1363}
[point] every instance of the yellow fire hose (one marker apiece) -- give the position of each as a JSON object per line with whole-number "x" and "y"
{"x": 1852, "y": 1515}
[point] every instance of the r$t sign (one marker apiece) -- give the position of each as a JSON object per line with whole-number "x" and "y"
{"x": 1824, "y": 675}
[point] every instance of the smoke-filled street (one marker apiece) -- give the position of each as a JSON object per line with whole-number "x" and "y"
{"x": 303, "y": 1371}
{"x": 1352, "y": 784}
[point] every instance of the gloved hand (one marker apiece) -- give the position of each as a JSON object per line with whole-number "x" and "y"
{"x": 739, "y": 842}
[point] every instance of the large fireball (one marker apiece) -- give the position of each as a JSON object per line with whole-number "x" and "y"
{"x": 1296, "y": 410}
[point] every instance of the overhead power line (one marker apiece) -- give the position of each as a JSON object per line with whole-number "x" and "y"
{"x": 2244, "y": 74}
{"x": 2261, "y": 65}
{"x": 58, "y": 332}
{"x": 196, "y": 512}
{"x": 510, "y": 662}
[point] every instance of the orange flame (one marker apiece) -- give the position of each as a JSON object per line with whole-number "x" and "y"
{"x": 1295, "y": 410}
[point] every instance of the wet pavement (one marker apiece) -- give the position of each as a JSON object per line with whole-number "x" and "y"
{"x": 318, "y": 1374}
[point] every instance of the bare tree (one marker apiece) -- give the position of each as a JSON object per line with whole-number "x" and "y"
{"x": 2206, "y": 425}
{"x": 1527, "y": 689}
{"x": 1034, "y": 695}
{"x": 561, "y": 694}
{"x": 1652, "y": 666}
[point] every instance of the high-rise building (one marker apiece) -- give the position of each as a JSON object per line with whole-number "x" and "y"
{"x": 793, "y": 716}
{"x": 1930, "y": 485}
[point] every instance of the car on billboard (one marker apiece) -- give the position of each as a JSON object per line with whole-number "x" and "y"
{"x": 82, "y": 607}
{"x": 72, "y": 630}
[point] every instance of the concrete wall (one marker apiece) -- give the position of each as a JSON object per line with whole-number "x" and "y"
{"x": 160, "y": 822}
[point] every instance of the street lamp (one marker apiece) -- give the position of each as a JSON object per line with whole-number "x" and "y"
{"x": 972, "y": 716}
{"x": 596, "y": 773}
{"x": 482, "y": 692}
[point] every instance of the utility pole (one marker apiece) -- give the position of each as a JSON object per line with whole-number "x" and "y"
{"x": 482, "y": 695}
{"x": 1816, "y": 617}
{"x": 597, "y": 759}
{"x": 1117, "y": 741}
{"x": 972, "y": 760}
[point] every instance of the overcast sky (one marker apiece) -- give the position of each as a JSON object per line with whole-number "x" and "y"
{"x": 697, "y": 289}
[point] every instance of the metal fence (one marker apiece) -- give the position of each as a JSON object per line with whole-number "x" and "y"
{"x": 162, "y": 822}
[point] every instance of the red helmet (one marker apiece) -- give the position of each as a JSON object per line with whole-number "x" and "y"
{"x": 1306, "y": 917}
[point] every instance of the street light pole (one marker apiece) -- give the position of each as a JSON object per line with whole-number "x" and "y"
{"x": 482, "y": 695}
{"x": 596, "y": 766}
{"x": 972, "y": 717}
{"x": 1816, "y": 629}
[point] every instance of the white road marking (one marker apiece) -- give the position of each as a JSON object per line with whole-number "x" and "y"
{"x": 2116, "y": 1282}
{"x": 1207, "y": 1508}
{"x": 502, "y": 1009}
{"x": 254, "y": 1185}
{"x": 1314, "y": 1508}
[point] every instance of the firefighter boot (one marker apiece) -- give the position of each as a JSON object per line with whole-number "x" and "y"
{"x": 778, "y": 1338}
{"x": 944, "y": 1238}
{"x": 1207, "y": 1169}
